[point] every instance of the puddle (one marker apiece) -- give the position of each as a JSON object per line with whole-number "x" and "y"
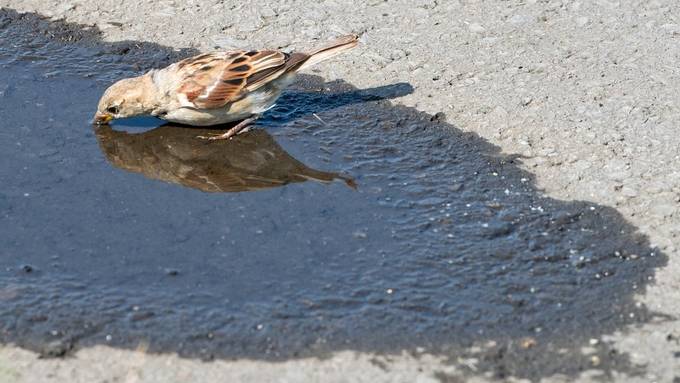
{"x": 257, "y": 247}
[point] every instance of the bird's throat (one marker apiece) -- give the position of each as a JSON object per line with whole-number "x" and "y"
{"x": 150, "y": 96}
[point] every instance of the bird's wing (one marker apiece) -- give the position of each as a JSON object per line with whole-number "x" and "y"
{"x": 213, "y": 80}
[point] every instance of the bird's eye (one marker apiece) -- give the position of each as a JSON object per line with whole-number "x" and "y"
{"x": 112, "y": 109}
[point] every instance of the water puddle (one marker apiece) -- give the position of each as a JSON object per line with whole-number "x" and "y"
{"x": 341, "y": 221}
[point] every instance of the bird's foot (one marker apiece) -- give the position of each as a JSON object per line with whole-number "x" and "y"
{"x": 241, "y": 127}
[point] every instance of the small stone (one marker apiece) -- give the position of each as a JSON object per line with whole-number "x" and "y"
{"x": 456, "y": 187}
{"x": 57, "y": 348}
{"x": 519, "y": 19}
{"x": 629, "y": 191}
{"x": 172, "y": 272}
{"x": 528, "y": 342}
{"x": 439, "y": 117}
{"x": 360, "y": 234}
{"x": 27, "y": 268}
{"x": 595, "y": 360}
{"x": 476, "y": 28}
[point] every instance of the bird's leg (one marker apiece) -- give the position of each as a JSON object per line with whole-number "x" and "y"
{"x": 238, "y": 128}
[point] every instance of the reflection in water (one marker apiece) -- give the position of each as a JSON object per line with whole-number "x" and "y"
{"x": 173, "y": 153}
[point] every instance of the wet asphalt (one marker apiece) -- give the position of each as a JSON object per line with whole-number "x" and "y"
{"x": 341, "y": 221}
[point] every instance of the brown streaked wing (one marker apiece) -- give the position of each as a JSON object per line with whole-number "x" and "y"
{"x": 214, "y": 80}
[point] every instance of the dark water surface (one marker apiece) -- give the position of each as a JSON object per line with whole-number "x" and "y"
{"x": 261, "y": 246}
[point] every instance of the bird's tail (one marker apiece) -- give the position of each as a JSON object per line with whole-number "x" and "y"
{"x": 329, "y": 50}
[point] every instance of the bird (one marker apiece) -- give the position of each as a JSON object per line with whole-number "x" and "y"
{"x": 213, "y": 88}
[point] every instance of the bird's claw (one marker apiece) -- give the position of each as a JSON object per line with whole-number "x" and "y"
{"x": 241, "y": 127}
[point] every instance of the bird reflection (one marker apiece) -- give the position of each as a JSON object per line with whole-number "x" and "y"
{"x": 172, "y": 153}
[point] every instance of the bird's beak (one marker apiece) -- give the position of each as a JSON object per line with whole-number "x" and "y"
{"x": 102, "y": 118}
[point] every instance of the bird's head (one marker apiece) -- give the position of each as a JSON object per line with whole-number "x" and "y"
{"x": 126, "y": 98}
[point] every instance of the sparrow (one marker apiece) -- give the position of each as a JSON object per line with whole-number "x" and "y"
{"x": 170, "y": 153}
{"x": 213, "y": 88}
